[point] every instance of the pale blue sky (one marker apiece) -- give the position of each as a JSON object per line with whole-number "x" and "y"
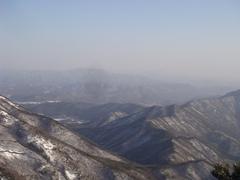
{"x": 197, "y": 39}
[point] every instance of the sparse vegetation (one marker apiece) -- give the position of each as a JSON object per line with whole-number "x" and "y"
{"x": 226, "y": 172}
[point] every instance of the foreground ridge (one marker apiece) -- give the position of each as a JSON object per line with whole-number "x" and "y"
{"x": 36, "y": 147}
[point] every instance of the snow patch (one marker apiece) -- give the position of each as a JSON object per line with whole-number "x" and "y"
{"x": 10, "y": 154}
{"x": 115, "y": 115}
{"x": 7, "y": 119}
{"x": 37, "y": 102}
{"x": 29, "y": 102}
{"x": 14, "y": 105}
{"x": 60, "y": 119}
{"x": 9, "y": 102}
{"x": 1, "y": 97}
{"x": 47, "y": 146}
{"x": 70, "y": 175}
{"x": 3, "y": 113}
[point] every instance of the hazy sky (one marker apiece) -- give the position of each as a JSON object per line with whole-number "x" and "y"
{"x": 197, "y": 39}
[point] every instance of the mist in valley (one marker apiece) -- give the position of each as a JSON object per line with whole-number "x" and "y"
{"x": 119, "y": 89}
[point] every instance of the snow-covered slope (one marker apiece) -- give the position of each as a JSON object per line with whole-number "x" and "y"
{"x": 183, "y": 141}
{"x": 37, "y": 147}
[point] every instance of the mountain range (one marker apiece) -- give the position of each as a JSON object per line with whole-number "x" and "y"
{"x": 178, "y": 141}
{"x": 37, "y": 147}
{"x": 98, "y": 87}
{"x": 92, "y": 124}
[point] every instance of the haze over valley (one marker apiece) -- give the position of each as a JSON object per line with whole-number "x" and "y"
{"x": 119, "y": 90}
{"x": 98, "y": 86}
